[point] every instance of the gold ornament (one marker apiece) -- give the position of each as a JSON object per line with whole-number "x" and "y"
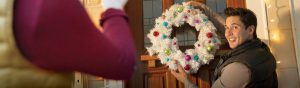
{"x": 194, "y": 12}
{"x": 180, "y": 9}
{"x": 209, "y": 48}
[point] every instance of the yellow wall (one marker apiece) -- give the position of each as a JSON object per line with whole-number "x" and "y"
{"x": 94, "y": 9}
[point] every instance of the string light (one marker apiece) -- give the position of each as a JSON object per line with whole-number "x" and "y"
{"x": 278, "y": 62}
{"x": 272, "y": 20}
{"x": 269, "y": 6}
{"x": 275, "y": 36}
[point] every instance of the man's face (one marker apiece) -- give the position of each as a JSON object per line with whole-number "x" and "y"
{"x": 235, "y": 31}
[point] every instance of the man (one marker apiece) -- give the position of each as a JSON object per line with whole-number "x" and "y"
{"x": 249, "y": 64}
{"x": 42, "y": 42}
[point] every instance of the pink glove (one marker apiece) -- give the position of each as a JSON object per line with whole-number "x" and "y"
{"x": 116, "y": 4}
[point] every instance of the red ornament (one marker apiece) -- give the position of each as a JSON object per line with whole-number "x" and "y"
{"x": 209, "y": 41}
{"x": 185, "y": 17}
{"x": 187, "y": 67}
{"x": 155, "y": 33}
{"x": 174, "y": 43}
{"x": 209, "y": 35}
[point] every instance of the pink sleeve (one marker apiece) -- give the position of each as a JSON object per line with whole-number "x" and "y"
{"x": 65, "y": 39}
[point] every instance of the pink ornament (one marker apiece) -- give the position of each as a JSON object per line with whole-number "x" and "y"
{"x": 187, "y": 67}
{"x": 155, "y": 33}
{"x": 187, "y": 58}
{"x": 197, "y": 21}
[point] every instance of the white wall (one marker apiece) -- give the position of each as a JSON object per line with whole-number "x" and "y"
{"x": 295, "y": 12}
{"x": 258, "y": 7}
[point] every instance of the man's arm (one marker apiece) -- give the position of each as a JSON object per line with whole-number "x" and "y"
{"x": 234, "y": 75}
{"x": 217, "y": 19}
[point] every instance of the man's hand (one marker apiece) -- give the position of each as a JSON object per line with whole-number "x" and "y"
{"x": 217, "y": 20}
{"x": 180, "y": 75}
{"x": 194, "y": 3}
{"x": 116, "y": 4}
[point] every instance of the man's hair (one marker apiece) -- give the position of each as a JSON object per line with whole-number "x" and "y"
{"x": 246, "y": 16}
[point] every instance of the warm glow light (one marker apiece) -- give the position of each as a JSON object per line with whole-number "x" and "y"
{"x": 266, "y": 1}
{"x": 275, "y": 37}
{"x": 271, "y": 49}
{"x": 269, "y": 6}
{"x": 278, "y": 62}
{"x": 272, "y": 20}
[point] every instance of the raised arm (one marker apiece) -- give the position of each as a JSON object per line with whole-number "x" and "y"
{"x": 217, "y": 20}
{"x": 63, "y": 38}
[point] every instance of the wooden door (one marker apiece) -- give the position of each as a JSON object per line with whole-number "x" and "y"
{"x": 134, "y": 10}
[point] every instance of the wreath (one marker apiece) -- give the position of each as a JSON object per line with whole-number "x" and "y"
{"x": 167, "y": 49}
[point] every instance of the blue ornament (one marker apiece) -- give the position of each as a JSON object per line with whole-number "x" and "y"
{"x": 168, "y": 59}
{"x": 215, "y": 40}
{"x": 165, "y": 24}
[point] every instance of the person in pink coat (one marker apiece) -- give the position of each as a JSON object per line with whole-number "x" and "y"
{"x": 58, "y": 35}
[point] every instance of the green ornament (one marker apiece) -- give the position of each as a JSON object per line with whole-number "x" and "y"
{"x": 165, "y": 24}
{"x": 210, "y": 48}
{"x": 164, "y": 36}
{"x": 180, "y": 9}
{"x": 196, "y": 57}
{"x": 205, "y": 20}
{"x": 167, "y": 51}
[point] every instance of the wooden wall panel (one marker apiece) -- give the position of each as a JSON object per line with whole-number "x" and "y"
{"x": 202, "y": 1}
{"x": 134, "y": 10}
{"x": 167, "y": 4}
{"x": 236, "y": 3}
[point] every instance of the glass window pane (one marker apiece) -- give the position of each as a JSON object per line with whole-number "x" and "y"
{"x": 152, "y": 9}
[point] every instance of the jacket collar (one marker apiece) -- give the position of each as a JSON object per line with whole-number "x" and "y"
{"x": 249, "y": 44}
